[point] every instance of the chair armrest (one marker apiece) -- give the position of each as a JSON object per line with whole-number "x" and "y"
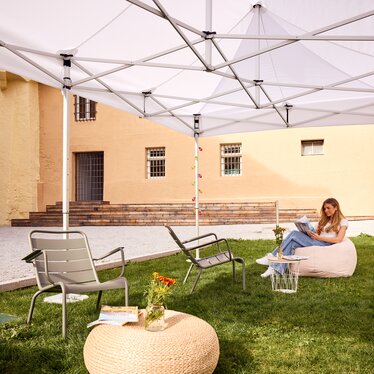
{"x": 200, "y": 237}
{"x": 32, "y": 256}
{"x": 119, "y": 249}
{"x": 206, "y": 244}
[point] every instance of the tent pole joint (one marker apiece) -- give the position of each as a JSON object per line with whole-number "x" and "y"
{"x": 288, "y": 108}
{"x": 67, "y": 65}
{"x": 145, "y": 95}
{"x": 209, "y": 34}
{"x": 196, "y": 124}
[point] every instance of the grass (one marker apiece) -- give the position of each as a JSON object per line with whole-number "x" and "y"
{"x": 327, "y": 327}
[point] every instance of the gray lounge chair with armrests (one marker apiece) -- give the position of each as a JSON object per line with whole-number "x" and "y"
{"x": 63, "y": 263}
{"x": 219, "y": 258}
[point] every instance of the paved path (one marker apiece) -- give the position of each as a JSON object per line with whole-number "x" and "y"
{"x": 139, "y": 242}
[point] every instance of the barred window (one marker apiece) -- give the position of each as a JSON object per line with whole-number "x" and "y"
{"x": 312, "y": 147}
{"x": 231, "y": 159}
{"x": 156, "y": 162}
{"x": 89, "y": 172}
{"x": 85, "y": 110}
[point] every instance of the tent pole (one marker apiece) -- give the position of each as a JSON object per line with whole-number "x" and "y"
{"x": 258, "y": 62}
{"x": 197, "y": 187}
{"x": 277, "y": 212}
{"x": 208, "y": 21}
{"x": 197, "y": 192}
{"x": 65, "y": 142}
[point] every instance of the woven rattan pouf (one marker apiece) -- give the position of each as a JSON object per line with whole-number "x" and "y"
{"x": 187, "y": 345}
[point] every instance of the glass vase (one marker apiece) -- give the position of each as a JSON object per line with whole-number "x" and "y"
{"x": 280, "y": 252}
{"x": 155, "y": 317}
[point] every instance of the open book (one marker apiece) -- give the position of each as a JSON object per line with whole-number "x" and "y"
{"x": 116, "y": 315}
{"x": 304, "y": 225}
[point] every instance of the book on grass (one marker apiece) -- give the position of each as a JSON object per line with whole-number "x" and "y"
{"x": 116, "y": 315}
{"x": 304, "y": 225}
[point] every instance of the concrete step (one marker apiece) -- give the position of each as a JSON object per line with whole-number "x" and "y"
{"x": 96, "y": 213}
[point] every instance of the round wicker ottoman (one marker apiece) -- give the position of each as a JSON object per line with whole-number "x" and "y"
{"x": 187, "y": 345}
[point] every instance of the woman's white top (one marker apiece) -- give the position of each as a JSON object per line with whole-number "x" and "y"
{"x": 333, "y": 234}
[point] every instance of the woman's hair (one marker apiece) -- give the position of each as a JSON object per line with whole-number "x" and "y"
{"x": 334, "y": 220}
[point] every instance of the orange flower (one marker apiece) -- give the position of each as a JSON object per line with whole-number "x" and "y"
{"x": 159, "y": 288}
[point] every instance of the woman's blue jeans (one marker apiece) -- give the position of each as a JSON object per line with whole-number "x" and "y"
{"x": 295, "y": 239}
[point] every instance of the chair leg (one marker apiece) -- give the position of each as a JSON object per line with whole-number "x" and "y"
{"x": 188, "y": 273}
{"x": 243, "y": 270}
{"x": 63, "y": 313}
{"x": 233, "y": 271}
{"x": 126, "y": 293}
{"x": 31, "y": 310}
{"x": 98, "y": 299}
{"x": 243, "y": 273}
{"x": 196, "y": 280}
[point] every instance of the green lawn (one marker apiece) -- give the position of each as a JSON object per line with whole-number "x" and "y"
{"x": 327, "y": 327}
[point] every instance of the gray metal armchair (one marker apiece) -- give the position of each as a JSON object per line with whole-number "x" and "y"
{"x": 63, "y": 263}
{"x": 219, "y": 258}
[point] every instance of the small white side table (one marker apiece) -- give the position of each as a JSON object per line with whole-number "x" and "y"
{"x": 288, "y": 281}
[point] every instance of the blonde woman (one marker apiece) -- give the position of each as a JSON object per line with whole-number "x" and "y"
{"x": 331, "y": 229}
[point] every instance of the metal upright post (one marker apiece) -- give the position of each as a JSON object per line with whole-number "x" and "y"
{"x": 277, "y": 212}
{"x": 197, "y": 191}
{"x": 257, "y": 6}
{"x": 65, "y": 142}
{"x": 208, "y": 21}
{"x": 196, "y": 126}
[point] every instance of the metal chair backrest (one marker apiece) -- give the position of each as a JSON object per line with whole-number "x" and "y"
{"x": 185, "y": 250}
{"x": 66, "y": 257}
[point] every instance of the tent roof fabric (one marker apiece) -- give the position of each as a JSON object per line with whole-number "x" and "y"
{"x": 242, "y": 65}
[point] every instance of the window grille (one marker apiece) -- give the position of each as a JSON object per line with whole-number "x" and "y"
{"x": 85, "y": 110}
{"x": 312, "y": 147}
{"x": 89, "y": 172}
{"x": 156, "y": 162}
{"x": 231, "y": 159}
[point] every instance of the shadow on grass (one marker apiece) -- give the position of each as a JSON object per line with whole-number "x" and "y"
{"x": 15, "y": 359}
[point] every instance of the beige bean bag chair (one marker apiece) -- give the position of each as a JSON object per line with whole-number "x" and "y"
{"x": 336, "y": 260}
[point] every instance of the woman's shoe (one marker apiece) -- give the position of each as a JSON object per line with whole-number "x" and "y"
{"x": 264, "y": 260}
{"x": 268, "y": 272}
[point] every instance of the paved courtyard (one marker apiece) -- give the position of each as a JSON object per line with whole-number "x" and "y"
{"x": 139, "y": 241}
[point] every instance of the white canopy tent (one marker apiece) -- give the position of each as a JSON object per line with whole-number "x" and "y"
{"x": 201, "y": 68}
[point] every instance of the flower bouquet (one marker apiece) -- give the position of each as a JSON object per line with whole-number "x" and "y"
{"x": 278, "y": 231}
{"x": 156, "y": 293}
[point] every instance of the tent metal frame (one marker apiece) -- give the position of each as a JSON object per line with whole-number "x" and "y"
{"x": 212, "y": 40}
{"x": 281, "y": 107}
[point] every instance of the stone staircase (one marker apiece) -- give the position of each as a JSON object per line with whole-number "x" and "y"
{"x": 102, "y": 213}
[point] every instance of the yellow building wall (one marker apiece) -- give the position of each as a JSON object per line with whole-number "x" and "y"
{"x": 19, "y": 144}
{"x": 273, "y": 168}
{"x": 123, "y": 139}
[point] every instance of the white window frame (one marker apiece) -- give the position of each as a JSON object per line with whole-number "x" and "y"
{"x": 88, "y": 114}
{"x": 153, "y": 160}
{"x": 231, "y": 151}
{"x": 313, "y": 147}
